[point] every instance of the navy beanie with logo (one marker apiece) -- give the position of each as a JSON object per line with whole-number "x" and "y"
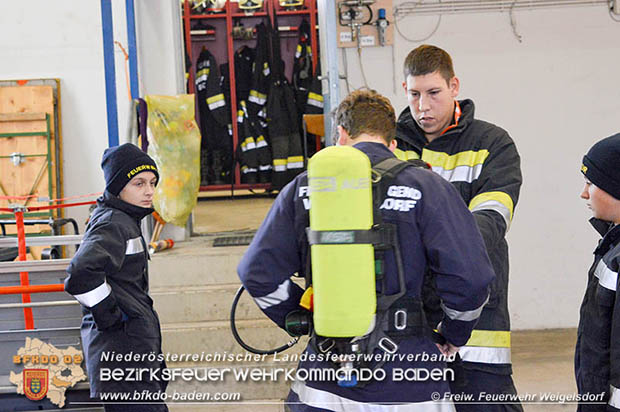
{"x": 121, "y": 163}
{"x": 601, "y": 165}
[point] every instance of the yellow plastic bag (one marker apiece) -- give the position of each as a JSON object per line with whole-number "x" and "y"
{"x": 174, "y": 144}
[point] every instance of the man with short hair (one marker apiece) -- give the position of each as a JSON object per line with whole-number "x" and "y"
{"x": 435, "y": 230}
{"x": 482, "y": 162}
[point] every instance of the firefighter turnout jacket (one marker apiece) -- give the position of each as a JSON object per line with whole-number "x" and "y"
{"x": 435, "y": 229}
{"x": 597, "y": 356}
{"x": 482, "y": 162}
{"x": 109, "y": 277}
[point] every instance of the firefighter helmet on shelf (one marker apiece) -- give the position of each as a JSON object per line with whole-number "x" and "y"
{"x": 291, "y": 3}
{"x": 250, "y": 4}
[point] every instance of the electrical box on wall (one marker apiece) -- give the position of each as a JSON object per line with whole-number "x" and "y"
{"x": 364, "y": 23}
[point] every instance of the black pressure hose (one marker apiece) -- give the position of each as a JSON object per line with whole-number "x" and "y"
{"x": 244, "y": 345}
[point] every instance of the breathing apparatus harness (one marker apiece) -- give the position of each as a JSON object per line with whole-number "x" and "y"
{"x": 397, "y": 315}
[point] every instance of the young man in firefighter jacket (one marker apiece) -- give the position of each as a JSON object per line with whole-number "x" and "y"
{"x": 483, "y": 164}
{"x": 436, "y": 231}
{"x": 109, "y": 277}
{"x": 597, "y": 356}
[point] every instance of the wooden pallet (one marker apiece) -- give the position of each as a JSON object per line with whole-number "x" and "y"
{"x": 30, "y": 107}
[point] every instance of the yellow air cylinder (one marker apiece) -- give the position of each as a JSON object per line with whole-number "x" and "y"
{"x": 343, "y": 275}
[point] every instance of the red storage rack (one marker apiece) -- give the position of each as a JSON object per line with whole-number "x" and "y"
{"x": 225, "y": 52}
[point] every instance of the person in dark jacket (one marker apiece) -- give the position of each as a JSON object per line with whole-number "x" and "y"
{"x": 435, "y": 230}
{"x": 597, "y": 356}
{"x": 109, "y": 277}
{"x": 482, "y": 162}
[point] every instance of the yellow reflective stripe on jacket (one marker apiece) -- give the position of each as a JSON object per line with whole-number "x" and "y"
{"x": 460, "y": 167}
{"x": 491, "y": 338}
{"x": 215, "y": 98}
{"x": 406, "y": 155}
{"x": 203, "y": 72}
{"x": 487, "y": 346}
{"x": 499, "y": 201}
{"x": 448, "y": 162}
{"x": 295, "y": 162}
{"x": 279, "y": 165}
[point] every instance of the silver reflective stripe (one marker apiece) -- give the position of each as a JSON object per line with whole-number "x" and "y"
{"x": 90, "y": 299}
{"x": 322, "y": 399}
{"x": 460, "y": 173}
{"x": 134, "y": 246}
{"x": 261, "y": 143}
{"x": 614, "y": 397}
{"x": 274, "y": 298}
{"x": 465, "y": 316}
{"x": 217, "y": 104}
{"x": 280, "y": 168}
{"x": 314, "y": 102}
{"x": 607, "y": 278}
{"x": 295, "y": 165}
{"x": 498, "y": 207}
{"x": 263, "y": 168}
{"x": 485, "y": 354}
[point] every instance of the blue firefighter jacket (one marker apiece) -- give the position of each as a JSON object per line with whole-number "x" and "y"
{"x": 437, "y": 232}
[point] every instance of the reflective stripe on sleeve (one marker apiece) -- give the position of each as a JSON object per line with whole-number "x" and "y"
{"x": 261, "y": 142}
{"x": 258, "y": 98}
{"x": 497, "y": 201}
{"x": 216, "y": 101}
{"x": 485, "y": 355}
{"x": 279, "y": 165}
{"x": 134, "y": 246}
{"x": 614, "y": 397}
{"x": 489, "y": 338}
{"x": 465, "y": 316}
{"x": 90, "y": 299}
{"x": 322, "y": 399}
{"x": 295, "y": 162}
{"x": 607, "y": 278}
{"x": 315, "y": 99}
{"x": 274, "y": 298}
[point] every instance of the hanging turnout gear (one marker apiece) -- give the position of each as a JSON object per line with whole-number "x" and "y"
{"x": 261, "y": 75}
{"x": 252, "y": 151}
{"x": 282, "y": 120}
{"x": 302, "y": 68}
{"x": 216, "y": 144}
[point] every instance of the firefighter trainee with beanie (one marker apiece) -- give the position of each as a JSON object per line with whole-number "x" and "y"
{"x": 597, "y": 356}
{"x": 435, "y": 231}
{"x": 109, "y": 277}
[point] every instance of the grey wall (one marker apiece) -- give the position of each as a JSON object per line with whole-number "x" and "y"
{"x": 556, "y": 93}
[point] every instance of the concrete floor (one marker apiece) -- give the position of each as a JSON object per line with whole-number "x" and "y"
{"x": 542, "y": 359}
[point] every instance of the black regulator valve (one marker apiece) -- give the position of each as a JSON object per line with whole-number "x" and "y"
{"x": 298, "y": 322}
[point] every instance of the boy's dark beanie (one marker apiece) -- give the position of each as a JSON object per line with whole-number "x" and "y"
{"x": 601, "y": 165}
{"x": 121, "y": 163}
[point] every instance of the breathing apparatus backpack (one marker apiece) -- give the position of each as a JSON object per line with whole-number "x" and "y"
{"x": 346, "y": 312}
